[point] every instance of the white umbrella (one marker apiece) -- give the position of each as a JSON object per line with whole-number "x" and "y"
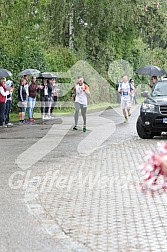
{"x": 48, "y": 75}
{"x": 5, "y": 73}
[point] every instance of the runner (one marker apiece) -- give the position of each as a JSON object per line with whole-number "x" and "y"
{"x": 126, "y": 90}
{"x": 81, "y": 91}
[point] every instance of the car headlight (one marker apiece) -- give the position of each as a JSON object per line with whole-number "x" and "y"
{"x": 148, "y": 107}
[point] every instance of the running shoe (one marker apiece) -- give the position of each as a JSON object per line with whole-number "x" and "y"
{"x": 75, "y": 128}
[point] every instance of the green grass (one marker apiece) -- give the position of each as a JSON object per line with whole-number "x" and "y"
{"x": 14, "y": 117}
{"x": 103, "y": 105}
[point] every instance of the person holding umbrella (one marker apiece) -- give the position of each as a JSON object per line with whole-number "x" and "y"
{"x": 153, "y": 81}
{"x": 10, "y": 89}
{"x": 3, "y": 73}
{"x": 25, "y": 74}
{"x": 3, "y": 95}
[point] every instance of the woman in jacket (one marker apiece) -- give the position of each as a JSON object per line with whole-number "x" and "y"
{"x": 3, "y": 95}
{"x": 45, "y": 94}
{"x": 22, "y": 97}
{"x": 32, "y": 97}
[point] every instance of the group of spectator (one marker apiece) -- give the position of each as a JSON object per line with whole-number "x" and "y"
{"x": 27, "y": 94}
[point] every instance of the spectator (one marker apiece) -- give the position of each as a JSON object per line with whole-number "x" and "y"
{"x": 118, "y": 94}
{"x": 9, "y": 89}
{"x": 26, "y": 86}
{"x": 134, "y": 94}
{"x": 53, "y": 97}
{"x": 153, "y": 81}
{"x": 3, "y": 95}
{"x": 32, "y": 90}
{"x": 45, "y": 94}
{"x": 22, "y": 97}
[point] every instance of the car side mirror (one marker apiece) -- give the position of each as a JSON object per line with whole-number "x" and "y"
{"x": 144, "y": 94}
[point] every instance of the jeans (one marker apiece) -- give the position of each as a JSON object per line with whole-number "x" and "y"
{"x": 7, "y": 111}
{"x": 2, "y": 113}
{"x": 31, "y": 105}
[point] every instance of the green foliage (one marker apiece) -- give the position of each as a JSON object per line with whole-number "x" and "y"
{"x": 60, "y": 59}
{"x": 35, "y": 34}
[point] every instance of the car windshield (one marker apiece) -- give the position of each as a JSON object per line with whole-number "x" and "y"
{"x": 160, "y": 89}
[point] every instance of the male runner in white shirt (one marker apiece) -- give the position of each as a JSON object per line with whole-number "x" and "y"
{"x": 81, "y": 91}
{"x": 126, "y": 90}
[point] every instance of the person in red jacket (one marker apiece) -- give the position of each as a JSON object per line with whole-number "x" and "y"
{"x": 3, "y": 95}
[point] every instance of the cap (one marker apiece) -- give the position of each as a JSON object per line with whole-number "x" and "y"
{"x": 9, "y": 83}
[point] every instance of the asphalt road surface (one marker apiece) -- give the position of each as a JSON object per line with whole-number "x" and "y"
{"x": 64, "y": 190}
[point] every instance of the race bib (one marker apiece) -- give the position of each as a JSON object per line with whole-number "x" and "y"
{"x": 125, "y": 93}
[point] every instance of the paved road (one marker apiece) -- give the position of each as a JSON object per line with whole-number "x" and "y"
{"x": 64, "y": 190}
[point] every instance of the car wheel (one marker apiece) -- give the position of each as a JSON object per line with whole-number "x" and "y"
{"x": 142, "y": 131}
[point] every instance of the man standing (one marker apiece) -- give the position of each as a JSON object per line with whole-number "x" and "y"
{"x": 126, "y": 90}
{"x": 81, "y": 91}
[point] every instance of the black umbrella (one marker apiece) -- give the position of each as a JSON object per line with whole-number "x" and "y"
{"x": 5, "y": 73}
{"x": 29, "y": 72}
{"x": 151, "y": 70}
{"x": 48, "y": 75}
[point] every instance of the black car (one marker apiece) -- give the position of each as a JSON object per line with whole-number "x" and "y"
{"x": 153, "y": 112}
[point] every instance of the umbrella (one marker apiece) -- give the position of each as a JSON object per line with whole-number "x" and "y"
{"x": 29, "y": 72}
{"x": 48, "y": 75}
{"x": 151, "y": 70}
{"x": 5, "y": 73}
